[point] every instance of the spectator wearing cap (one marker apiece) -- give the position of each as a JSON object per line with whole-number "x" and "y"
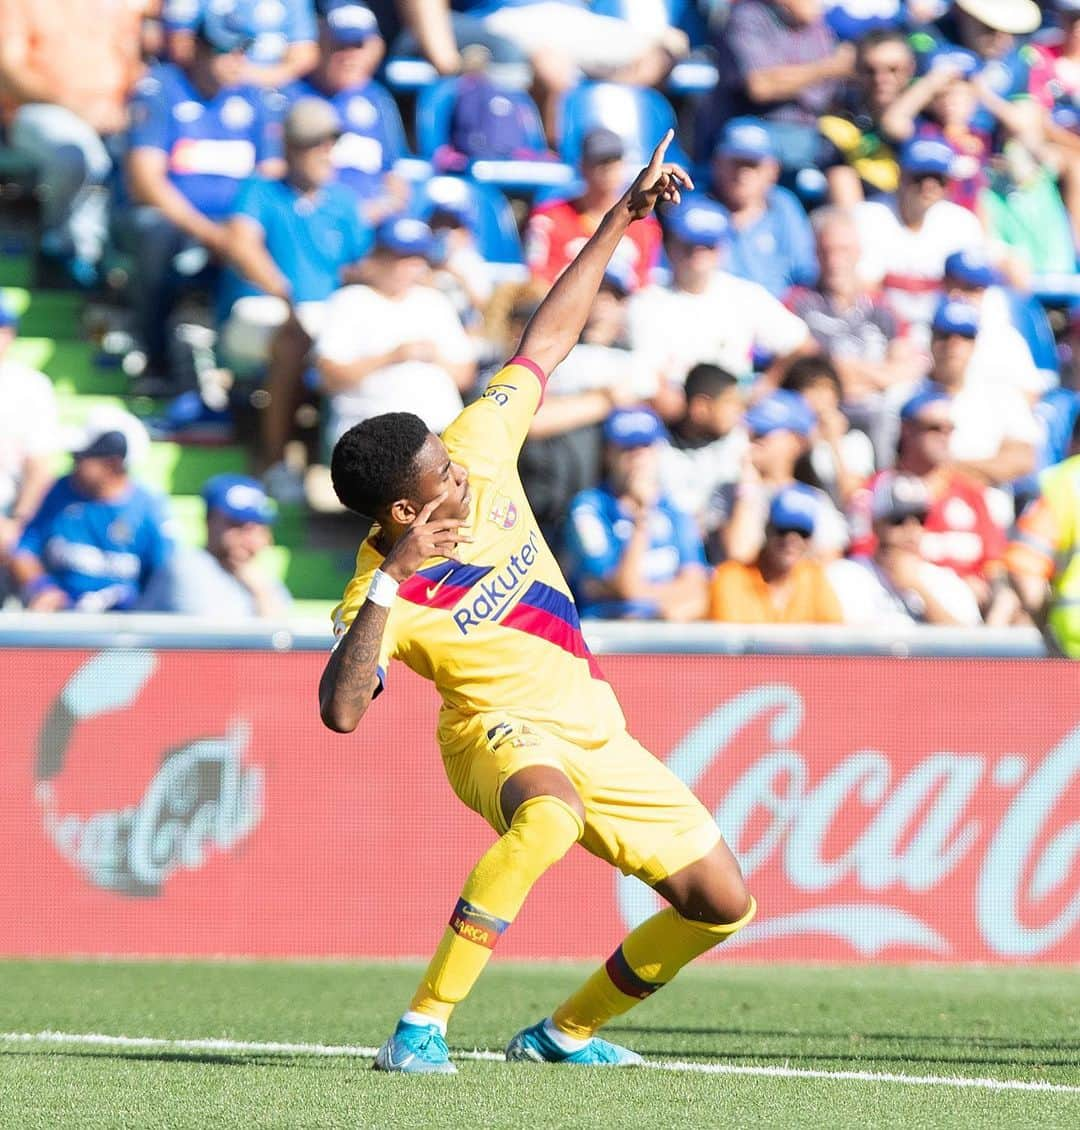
{"x": 770, "y": 240}
{"x": 780, "y": 426}
{"x": 556, "y": 232}
{"x": 98, "y": 536}
{"x": 66, "y": 69}
{"x": 959, "y": 532}
{"x": 461, "y": 271}
{"x": 631, "y": 553}
{"x": 779, "y": 60}
{"x": 707, "y": 444}
{"x": 895, "y": 586}
{"x": 707, "y": 314}
{"x": 372, "y": 141}
{"x": 395, "y": 344}
{"x": 29, "y": 438}
{"x": 196, "y": 135}
{"x": 280, "y": 37}
{"x": 290, "y": 242}
{"x": 904, "y": 248}
{"x": 784, "y": 585}
{"x": 223, "y": 581}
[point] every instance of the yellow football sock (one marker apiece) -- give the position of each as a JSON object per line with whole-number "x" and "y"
{"x": 543, "y": 830}
{"x": 646, "y": 961}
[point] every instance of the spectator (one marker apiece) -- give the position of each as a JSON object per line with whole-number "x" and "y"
{"x": 461, "y": 271}
{"x": 632, "y": 554}
{"x": 557, "y": 232}
{"x": 779, "y": 426}
{"x": 770, "y": 241}
{"x": 66, "y": 69}
{"x": 195, "y": 137}
{"x": 224, "y": 580}
{"x": 280, "y": 37}
{"x": 707, "y": 444}
{"x": 371, "y": 141}
{"x": 783, "y": 586}
{"x": 98, "y": 536}
{"x": 289, "y": 242}
{"x": 395, "y": 344}
{"x": 780, "y": 61}
{"x": 959, "y": 533}
{"x": 895, "y": 586}
{"x": 707, "y": 314}
{"x": 1043, "y": 557}
{"x": 29, "y": 438}
{"x": 859, "y": 156}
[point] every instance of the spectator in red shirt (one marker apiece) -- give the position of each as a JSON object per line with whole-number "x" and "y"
{"x": 557, "y": 232}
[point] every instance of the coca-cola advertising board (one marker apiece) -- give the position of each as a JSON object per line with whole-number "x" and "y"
{"x": 190, "y": 803}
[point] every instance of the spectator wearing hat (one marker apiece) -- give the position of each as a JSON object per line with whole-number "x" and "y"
{"x": 280, "y": 37}
{"x": 223, "y": 581}
{"x": 780, "y": 426}
{"x": 707, "y": 314}
{"x": 98, "y": 536}
{"x": 895, "y": 586}
{"x": 395, "y": 344}
{"x": 556, "y": 232}
{"x": 350, "y": 52}
{"x": 631, "y": 554}
{"x": 290, "y": 242}
{"x": 29, "y": 438}
{"x": 196, "y": 135}
{"x": 460, "y": 270}
{"x": 66, "y": 69}
{"x": 770, "y": 241}
{"x": 784, "y": 585}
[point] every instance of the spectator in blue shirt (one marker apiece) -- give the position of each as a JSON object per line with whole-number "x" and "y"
{"x": 195, "y": 137}
{"x": 290, "y": 241}
{"x": 771, "y": 241}
{"x": 98, "y": 536}
{"x": 372, "y": 138}
{"x": 632, "y": 554}
{"x": 279, "y": 35}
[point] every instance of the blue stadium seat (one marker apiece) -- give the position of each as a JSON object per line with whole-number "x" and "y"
{"x": 639, "y": 115}
{"x": 1030, "y": 319}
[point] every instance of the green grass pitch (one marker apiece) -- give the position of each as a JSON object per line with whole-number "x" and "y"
{"x": 1003, "y": 1024}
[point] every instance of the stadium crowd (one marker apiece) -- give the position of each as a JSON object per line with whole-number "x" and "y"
{"x": 831, "y": 386}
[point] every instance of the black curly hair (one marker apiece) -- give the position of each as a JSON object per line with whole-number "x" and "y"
{"x": 374, "y": 461}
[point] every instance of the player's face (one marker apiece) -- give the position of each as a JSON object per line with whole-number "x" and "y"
{"x": 438, "y": 474}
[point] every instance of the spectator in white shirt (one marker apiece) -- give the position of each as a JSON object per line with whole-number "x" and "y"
{"x": 895, "y": 587}
{"x": 707, "y": 314}
{"x": 396, "y": 344}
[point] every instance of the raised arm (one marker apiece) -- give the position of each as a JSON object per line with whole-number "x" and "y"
{"x": 556, "y": 326}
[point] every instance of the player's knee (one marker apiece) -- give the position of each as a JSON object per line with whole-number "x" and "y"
{"x": 711, "y": 890}
{"x": 539, "y": 781}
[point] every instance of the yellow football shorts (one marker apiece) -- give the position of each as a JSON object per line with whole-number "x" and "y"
{"x": 639, "y": 816}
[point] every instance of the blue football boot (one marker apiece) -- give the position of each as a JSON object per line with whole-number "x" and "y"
{"x": 415, "y": 1049}
{"x": 536, "y": 1046}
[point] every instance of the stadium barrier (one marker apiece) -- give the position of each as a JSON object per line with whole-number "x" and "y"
{"x": 169, "y": 790}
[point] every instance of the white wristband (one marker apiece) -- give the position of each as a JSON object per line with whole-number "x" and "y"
{"x": 383, "y": 589}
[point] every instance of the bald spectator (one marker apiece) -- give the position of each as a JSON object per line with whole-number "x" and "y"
{"x": 66, "y": 69}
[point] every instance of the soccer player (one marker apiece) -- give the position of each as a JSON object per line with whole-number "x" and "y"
{"x": 456, "y": 581}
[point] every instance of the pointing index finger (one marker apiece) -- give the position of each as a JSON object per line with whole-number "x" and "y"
{"x": 657, "y": 158}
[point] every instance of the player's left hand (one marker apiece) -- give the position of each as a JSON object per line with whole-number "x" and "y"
{"x": 659, "y": 180}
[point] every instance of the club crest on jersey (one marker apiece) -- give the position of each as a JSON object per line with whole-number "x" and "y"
{"x": 503, "y": 512}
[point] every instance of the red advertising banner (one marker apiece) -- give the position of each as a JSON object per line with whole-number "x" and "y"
{"x": 190, "y": 803}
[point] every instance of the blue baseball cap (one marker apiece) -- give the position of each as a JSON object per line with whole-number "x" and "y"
{"x": 746, "y": 138}
{"x": 953, "y": 317}
{"x": 794, "y": 508}
{"x": 972, "y": 268}
{"x": 926, "y": 157}
{"x": 699, "y": 222}
{"x": 240, "y": 499}
{"x": 633, "y": 427}
{"x": 349, "y": 23}
{"x": 225, "y": 29}
{"x": 405, "y": 235}
{"x": 8, "y": 317}
{"x": 965, "y": 63}
{"x": 929, "y": 393}
{"x": 780, "y": 411}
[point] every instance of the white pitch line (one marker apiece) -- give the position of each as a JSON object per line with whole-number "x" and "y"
{"x": 353, "y": 1051}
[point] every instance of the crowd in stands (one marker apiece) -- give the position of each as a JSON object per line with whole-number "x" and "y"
{"x": 826, "y": 387}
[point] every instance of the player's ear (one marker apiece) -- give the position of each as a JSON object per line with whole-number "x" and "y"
{"x": 403, "y": 512}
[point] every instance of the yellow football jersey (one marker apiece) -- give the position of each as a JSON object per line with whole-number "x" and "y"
{"x": 498, "y": 632}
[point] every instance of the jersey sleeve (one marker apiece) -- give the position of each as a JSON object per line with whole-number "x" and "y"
{"x": 488, "y": 434}
{"x": 149, "y": 116}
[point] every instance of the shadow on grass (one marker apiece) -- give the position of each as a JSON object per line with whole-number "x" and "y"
{"x": 221, "y": 1059}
